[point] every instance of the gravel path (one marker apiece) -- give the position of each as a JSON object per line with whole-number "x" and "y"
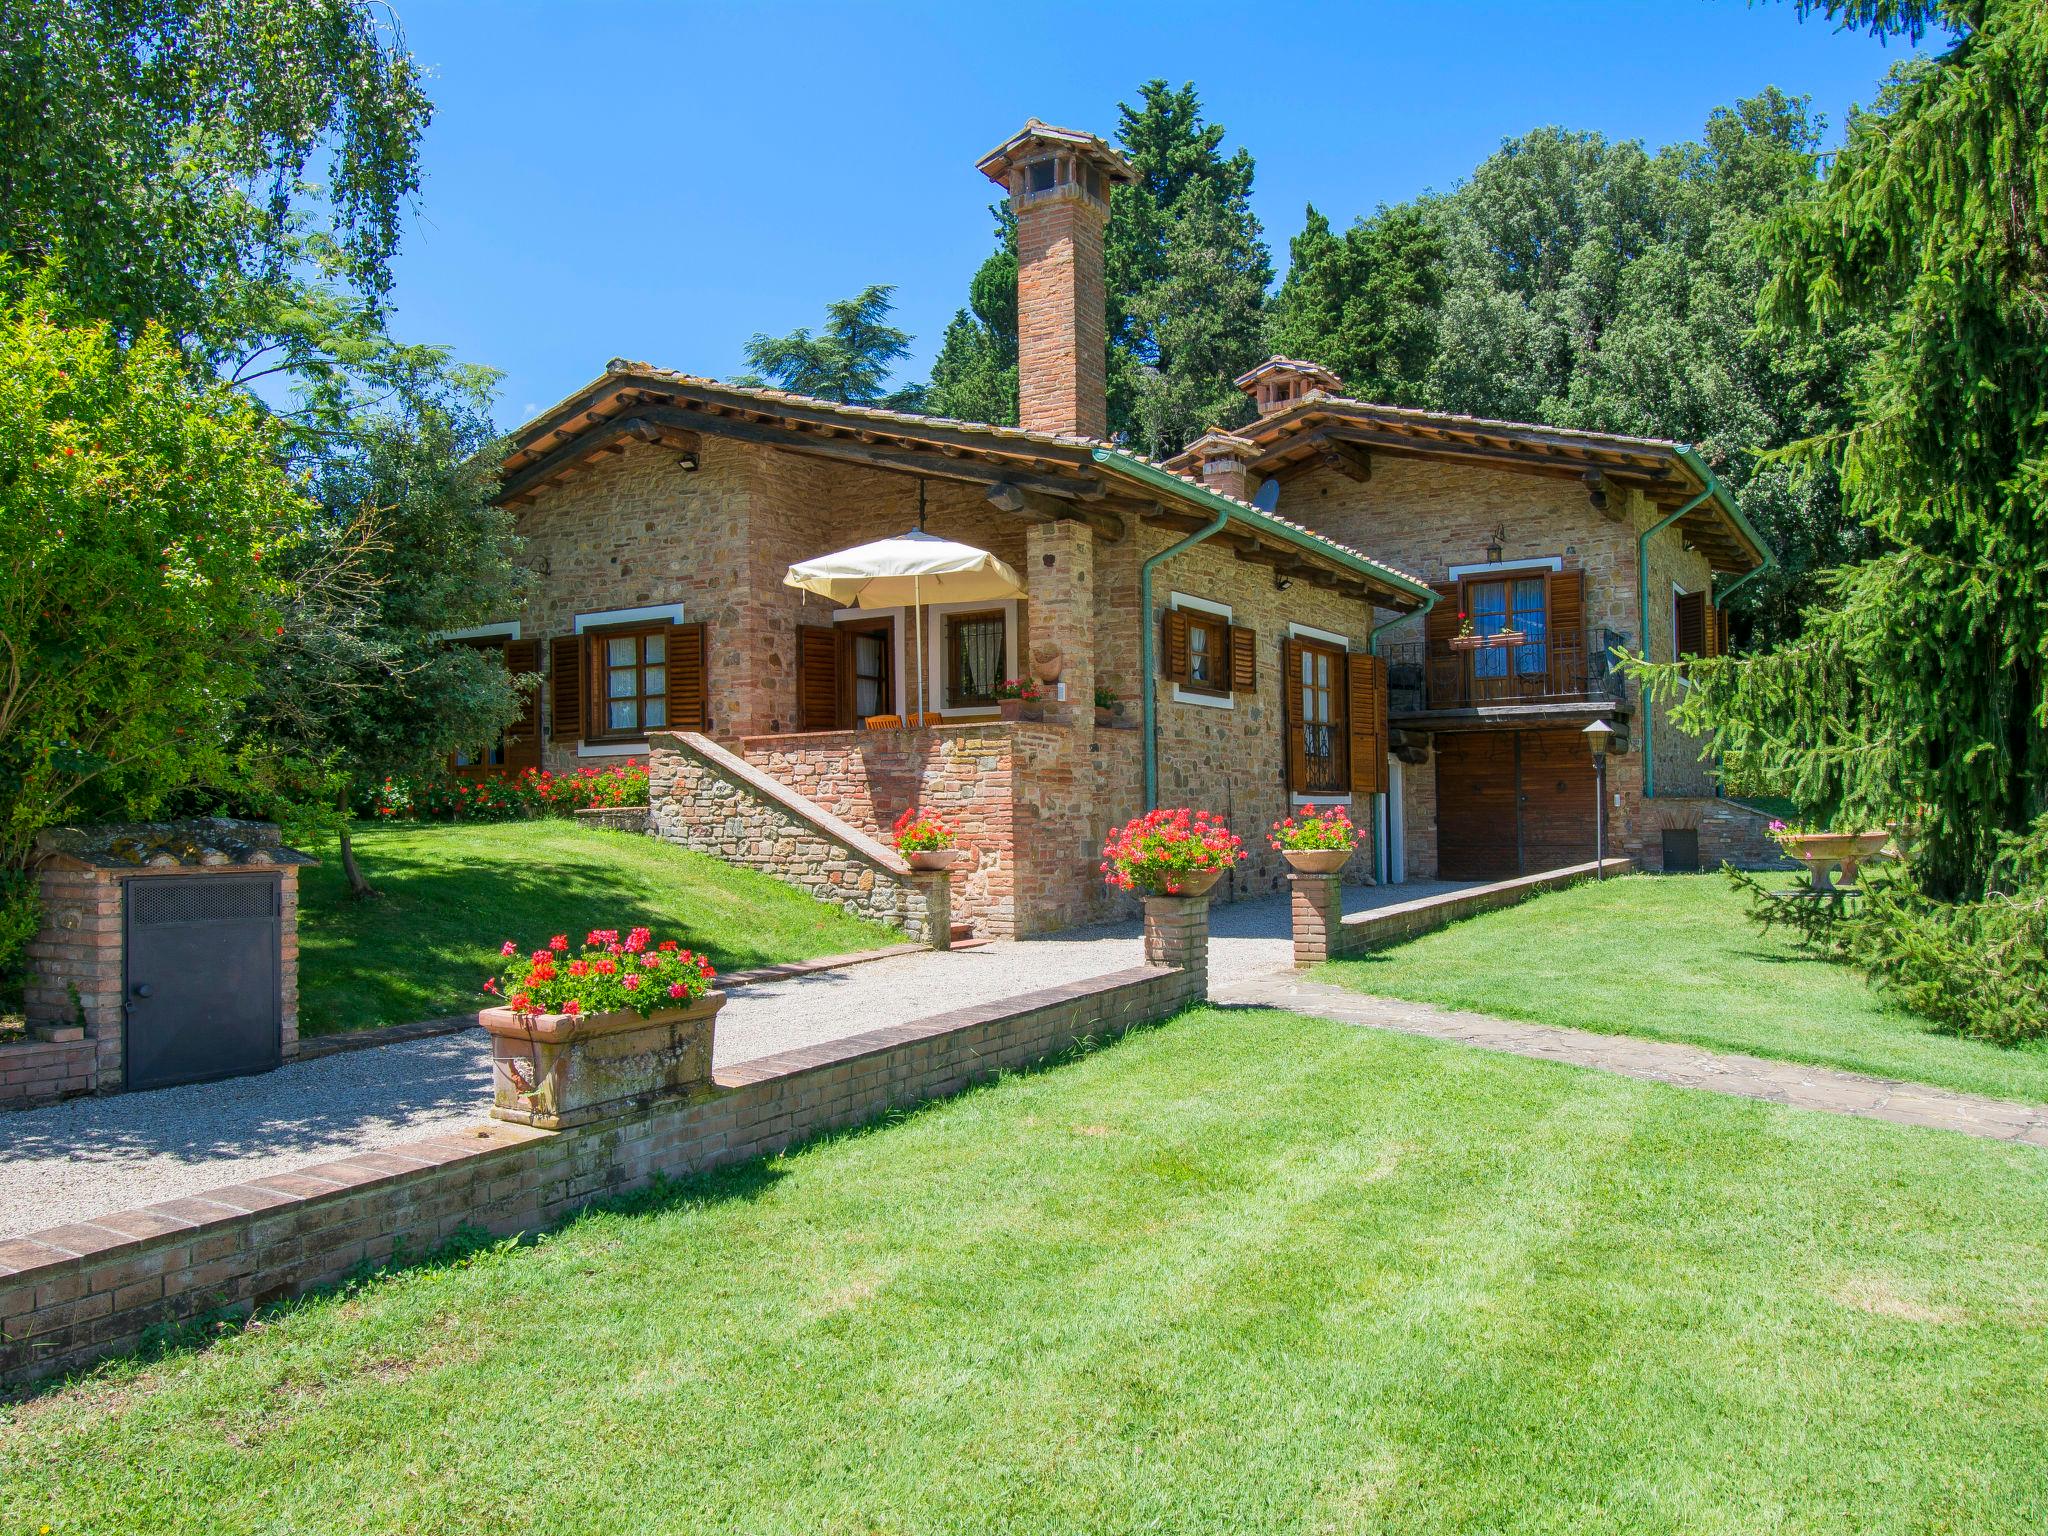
{"x": 88, "y": 1156}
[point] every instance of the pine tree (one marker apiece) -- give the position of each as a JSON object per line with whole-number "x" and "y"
{"x": 974, "y": 377}
{"x": 850, "y": 362}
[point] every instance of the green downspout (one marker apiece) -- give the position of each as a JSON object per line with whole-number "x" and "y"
{"x": 1712, "y": 490}
{"x": 1148, "y": 629}
{"x": 1382, "y": 869}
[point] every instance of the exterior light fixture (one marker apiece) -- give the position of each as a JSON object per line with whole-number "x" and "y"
{"x": 687, "y": 462}
{"x": 1599, "y": 735}
{"x": 1495, "y": 544}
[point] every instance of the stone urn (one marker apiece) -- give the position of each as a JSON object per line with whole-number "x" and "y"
{"x": 1047, "y": 663}
{"x": 1820, "y": 852}
{"x": 554, "y": 1070}
{"x": 1316, "y": 861}
{"x": 936, "y": 858}
{"x": 1194, "y": 882}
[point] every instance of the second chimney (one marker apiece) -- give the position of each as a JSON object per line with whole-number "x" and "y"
{"x": 1059, "y": 182}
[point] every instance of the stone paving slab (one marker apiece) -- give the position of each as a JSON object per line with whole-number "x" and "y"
{"x": 1686, "y": 1066}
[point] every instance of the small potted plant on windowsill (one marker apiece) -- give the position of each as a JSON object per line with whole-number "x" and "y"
{"x": 1468, "y": 637}
{"x": 1105, "y": 705}
{"x": 1315, "y": 842}
{"x": 1170, "y": 853}
{"x": 927, "y": 842}
{"x": 1019, "y": 698}
{"x": 623, "y": 1022}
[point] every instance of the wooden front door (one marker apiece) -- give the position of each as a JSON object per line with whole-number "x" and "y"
{"x": 1512, "y": 803}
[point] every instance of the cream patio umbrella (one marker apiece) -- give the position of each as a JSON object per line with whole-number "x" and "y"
{"x": 907, "y": 571}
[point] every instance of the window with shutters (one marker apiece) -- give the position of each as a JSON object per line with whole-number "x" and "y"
{"x": 518, "y": 745}
{"x": 1519, "y": 604}
{"x": 1208, "y": 653}
{"x": 1318, "y": 720}
{"x": 629, "y": 671}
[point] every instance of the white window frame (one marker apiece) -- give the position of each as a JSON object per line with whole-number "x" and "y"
{"x": 598, "y": 619}
{"x": 934, "y": 621}
{"x": 1214, "y": 610}
{"x": 1505, "y": 567}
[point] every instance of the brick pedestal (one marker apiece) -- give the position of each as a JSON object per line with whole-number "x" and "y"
{"x": 1177, "y": 934}
{"x": 936, "y": 887}
{"x": 1318, "y": 908}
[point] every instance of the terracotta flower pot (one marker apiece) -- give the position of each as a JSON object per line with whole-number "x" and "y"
{"x": 1104, "y": 714}
{"x": 1820, "y": 852}
{"x": 1316, "y": 861}
{"x": 1020, "y": 709}
{"x": 553, "y": 1070}
{"x": 936, "y": 858}
{"x": 1194, "y": 882}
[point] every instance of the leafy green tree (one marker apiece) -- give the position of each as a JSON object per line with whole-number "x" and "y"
{"x": 188, "y": 163}
{"x": 1187, "y": 268}
{"x": 137, "y": 510}
{"x": 1364, "y": 304}
{"x": 402, "y": 544}
{"x": 974, "y": 377}
{"x": 850, "y": 362}
{"x": 1920, "y": 690}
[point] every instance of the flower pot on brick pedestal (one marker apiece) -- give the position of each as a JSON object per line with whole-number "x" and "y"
{"x": 1316, "y": 861}
{"x": 554, "y": 1070}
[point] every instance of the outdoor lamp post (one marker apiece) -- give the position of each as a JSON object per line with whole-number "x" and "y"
{"x": 1598, "y": 735}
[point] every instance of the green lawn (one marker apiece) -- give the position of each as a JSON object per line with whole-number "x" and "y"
{"x": 1244, "y": 1273}
{"x": 1674, "y": 957}
{"x": 452, "y": 894}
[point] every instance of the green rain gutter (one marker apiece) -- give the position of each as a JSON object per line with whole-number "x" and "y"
{"x": 1713, "y": 490}
{"x": 1224, "y": 509}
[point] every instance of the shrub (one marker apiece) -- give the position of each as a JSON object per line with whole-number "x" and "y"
{"x": 1978, "y": 969}
{"x": 1155, "y": 854}
{"x": 609, "y": 975}
{"x": 525, "y": 796}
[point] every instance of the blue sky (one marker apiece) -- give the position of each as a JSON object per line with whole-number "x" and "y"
{"x": 661, "y": 181}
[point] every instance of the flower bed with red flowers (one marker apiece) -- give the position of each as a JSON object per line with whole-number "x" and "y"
{"x": 921, "y": 834}
{"x": 609, "y": 975}
{"x": 524, "y": 796}
{"x": 1154, "y": 854}
{"x": 1313, "y": 830}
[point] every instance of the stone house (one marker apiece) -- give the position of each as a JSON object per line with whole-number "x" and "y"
{"x": 1243, "y": 647}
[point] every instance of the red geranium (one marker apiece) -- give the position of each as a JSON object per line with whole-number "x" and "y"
{"x": 1156, "y": 853}
{"x": 1313, "y": 829}
{"x": 665, "y": 975}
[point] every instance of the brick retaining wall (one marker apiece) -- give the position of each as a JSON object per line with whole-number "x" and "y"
{"x": 1320, "y": 936}
{"x": 73, "y": 1294}
{"x": 705, "y": 798}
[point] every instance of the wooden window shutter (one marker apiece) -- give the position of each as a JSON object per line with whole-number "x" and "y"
{"x": 1173, "y": 647}
{"x": 1442, "y": 622}
{"x": 687, "y": 706}
{"x": 820, "y": 678}
{"x": 1244, "y": 660}
{"x": 1718, "y": 631}
{"x": 1366, "y": 703}
{"x": 1689, "y": 617}
{"x": 1290, "y": 714}
{"x": 522, "y": 738}
{"x": 565, "y": 687}
{"x": 1566, "y": 621}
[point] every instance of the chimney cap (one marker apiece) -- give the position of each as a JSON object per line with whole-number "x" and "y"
{"x": 1036, "y": 136}
{"x": 1218, "y": 444}
{"x": 1313, "y": 374}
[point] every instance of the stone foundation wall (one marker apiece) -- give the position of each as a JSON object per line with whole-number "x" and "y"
{"x": 964, "y": 774}
{"x": 712, "y": 801}
{"x": 615, "y": 818}
{"x": 1729, "y": 832}
{"x": 73, "y": 1294}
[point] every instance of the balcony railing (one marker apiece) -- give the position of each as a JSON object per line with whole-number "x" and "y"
{"x": 1559, "y": 669}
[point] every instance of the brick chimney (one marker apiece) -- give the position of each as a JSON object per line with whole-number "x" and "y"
{"x": 1218, "y": 457}
{"x": 1059, "y": 181}
{"x": 1279, "y": 382}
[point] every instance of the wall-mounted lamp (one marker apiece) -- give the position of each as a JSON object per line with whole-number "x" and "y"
{"x": 1496, "y": 544}
{"x": 542, "y": 566}
{"x": 687, "y": 461}
{"x": 1281, "y": 583}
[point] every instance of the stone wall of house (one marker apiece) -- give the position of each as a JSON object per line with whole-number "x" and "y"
{"x": 1230, "y": 760}
{"x": 1681, "y": 770}
{"x": 1418, "y": 818}
{"x": 1729, "y": 831}
{"x": 707, "y": 799}
{"x": 964, "y": 774}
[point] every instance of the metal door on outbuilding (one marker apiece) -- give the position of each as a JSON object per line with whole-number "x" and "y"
{"x": 201, "y": 987}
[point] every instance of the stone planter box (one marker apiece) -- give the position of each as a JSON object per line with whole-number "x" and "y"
{"x": 1316, "y": 861}
{"x": 553, "y": 1070}
{"x": 936, "y": 858}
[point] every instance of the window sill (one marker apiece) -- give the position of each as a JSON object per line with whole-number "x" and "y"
{"x": 1186, "y": 695}
{"x": 610, "y": 748}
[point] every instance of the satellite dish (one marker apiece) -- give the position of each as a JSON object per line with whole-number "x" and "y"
{"x": 1267, "y": 496}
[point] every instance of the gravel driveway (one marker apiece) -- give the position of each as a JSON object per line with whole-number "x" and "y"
{"x": 73, "y": 1160}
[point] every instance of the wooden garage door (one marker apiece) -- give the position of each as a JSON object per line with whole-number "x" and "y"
{"x": 1475, "y": 805}
{"x": 1512, "y": 803}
